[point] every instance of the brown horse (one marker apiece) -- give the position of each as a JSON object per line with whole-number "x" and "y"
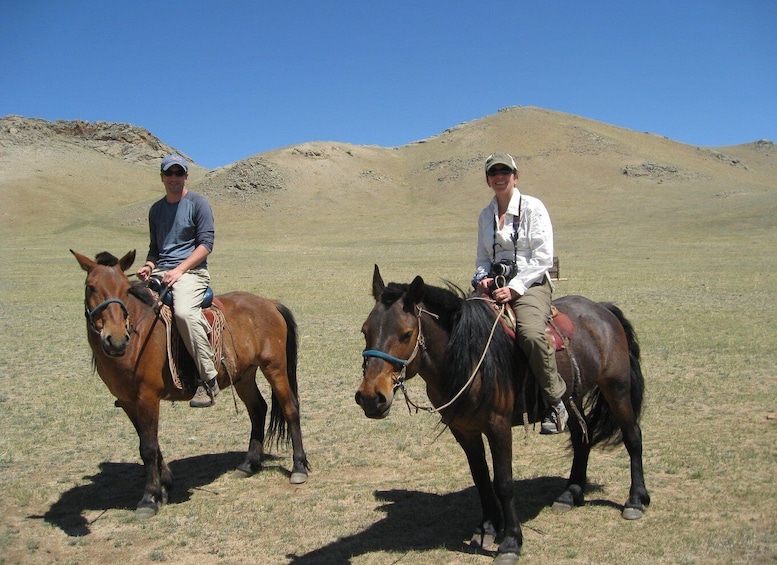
{"x": 128, "y": 342}
{"x": 480, "y": 383}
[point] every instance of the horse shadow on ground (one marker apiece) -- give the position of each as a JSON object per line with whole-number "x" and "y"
{"x": 120, "y": 486}
{"x": 422, "y": 521}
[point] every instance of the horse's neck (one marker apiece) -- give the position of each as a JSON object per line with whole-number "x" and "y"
{"x": 145, "y": 320}
{"x": 433, "y": 359}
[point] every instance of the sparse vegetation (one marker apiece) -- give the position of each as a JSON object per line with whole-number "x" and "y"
{"x": 689, "y": 259}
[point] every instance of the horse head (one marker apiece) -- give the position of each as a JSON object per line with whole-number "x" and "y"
{"x": 106, "y": 290}
{"x": 392, "y": 334}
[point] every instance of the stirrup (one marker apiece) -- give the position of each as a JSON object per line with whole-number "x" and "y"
{"x": 205, "y": 396}
{"x": 556, "y": 421}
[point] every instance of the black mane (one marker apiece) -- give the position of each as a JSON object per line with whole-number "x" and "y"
{"x": 105, "y": 258}
{"x": 140, "y": 291}
{"x": 444, "y": 302}
{"x": 469, "y": 344}
{"x": 469, "y": 324}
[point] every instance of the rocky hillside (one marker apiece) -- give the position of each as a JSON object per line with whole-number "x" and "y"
{"x": 122, "y": 141}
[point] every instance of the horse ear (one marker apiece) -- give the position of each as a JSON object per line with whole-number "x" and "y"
{"x": 415, "y": 293}
{"x": 126, "y": 261}
{"x": 377, "y": 284}
{"x": 86, "y": 263}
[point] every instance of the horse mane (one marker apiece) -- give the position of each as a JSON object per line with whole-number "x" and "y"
{"x": 469, "y": 324}
{"x": 140, "y": 291}
{"x": 107, "y": 259}
{"x": 444, "y": 302}
{"x": 469, "y": 341}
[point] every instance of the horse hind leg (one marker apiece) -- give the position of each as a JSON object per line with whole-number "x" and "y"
{"x": 638, "y": 494}
{"x": 285, "y": 421}
{"x": 574, "y": 494}
{"x": 626, "y": 422}
{"x": 624, "y": 410}
{"x": 256, "y": 405}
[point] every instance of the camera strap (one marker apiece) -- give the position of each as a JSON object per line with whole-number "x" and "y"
{"x": 513, "y": 237}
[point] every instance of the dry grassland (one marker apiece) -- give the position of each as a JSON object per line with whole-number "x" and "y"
{"x": 682, "y": 238}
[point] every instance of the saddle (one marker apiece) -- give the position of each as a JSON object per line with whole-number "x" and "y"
{"x": 182, "y": 367}
{"x": 559, "y": 328}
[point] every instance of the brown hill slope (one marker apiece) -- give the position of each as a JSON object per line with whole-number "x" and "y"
{"x": 76, "y": 172}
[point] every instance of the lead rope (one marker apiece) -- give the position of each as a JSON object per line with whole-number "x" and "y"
{"x": 220, "y": 324}
{"x": 432, "y": 409}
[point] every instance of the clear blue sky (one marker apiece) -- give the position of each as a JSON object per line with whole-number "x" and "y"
{"x": 223, "y": 80}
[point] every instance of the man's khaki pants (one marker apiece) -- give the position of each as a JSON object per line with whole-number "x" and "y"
{"x": 188, "y": 292}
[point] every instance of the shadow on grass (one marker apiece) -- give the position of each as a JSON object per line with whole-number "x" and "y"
{"x": 120, "y": 486}
{"x": 422, "y": 521}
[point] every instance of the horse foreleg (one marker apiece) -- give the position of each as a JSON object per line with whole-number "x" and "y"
{"x": 257, "y": 411}
{"x": 638, "y": 494}
{"x": 486, "y": 533}
{"x": 146, "y": 421}
{"x": 500, "y": 438}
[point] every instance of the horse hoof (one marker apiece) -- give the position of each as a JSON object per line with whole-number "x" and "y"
{"x": 297, "y": 478}
{"x": 560, "y": 507}
{"x": 241, "y": 474}
{"x": 483, "y": 542}
{"x": 145, "y": 512}
{"x": 631, "y": 514}
{"x": 506, "y": 559}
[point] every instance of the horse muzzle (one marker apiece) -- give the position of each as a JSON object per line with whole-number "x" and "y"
{"x": 376, "y": 405}
{"x": 114, "y": 346}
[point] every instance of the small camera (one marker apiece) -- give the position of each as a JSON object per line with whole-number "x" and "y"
{"x": 505, "y": 268}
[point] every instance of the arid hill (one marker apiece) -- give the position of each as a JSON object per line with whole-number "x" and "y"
{"x": 80, "y": 171}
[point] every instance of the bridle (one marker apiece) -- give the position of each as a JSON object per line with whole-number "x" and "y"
{"x": 420, "y": 345}
{"x": 97, "y": 310}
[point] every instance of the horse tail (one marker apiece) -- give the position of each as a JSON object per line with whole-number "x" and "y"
{"x": 603, "y": 426}
{"x": 278, "y": 430}
{"x": 474, "y": 340}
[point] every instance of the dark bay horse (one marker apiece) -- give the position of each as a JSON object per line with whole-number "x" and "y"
{"x": 129, "y": 350}
{"x": 480, "y": 382}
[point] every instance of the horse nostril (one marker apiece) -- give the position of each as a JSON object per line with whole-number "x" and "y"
{"x": 358, "y": 398}
{"x": 381, "y": 398}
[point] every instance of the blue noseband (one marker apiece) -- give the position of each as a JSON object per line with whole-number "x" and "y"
{"x": 384, "y": 356}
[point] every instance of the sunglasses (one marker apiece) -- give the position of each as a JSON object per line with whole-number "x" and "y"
{"x": 494, "y": 172}
{"x": 174, "y": 172}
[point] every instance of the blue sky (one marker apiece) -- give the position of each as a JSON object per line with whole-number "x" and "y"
{"x": 224, "y": 80}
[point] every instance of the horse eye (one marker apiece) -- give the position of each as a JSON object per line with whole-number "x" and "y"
{"x": 90, "y": 289}
{"x": 406, "y": 336}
